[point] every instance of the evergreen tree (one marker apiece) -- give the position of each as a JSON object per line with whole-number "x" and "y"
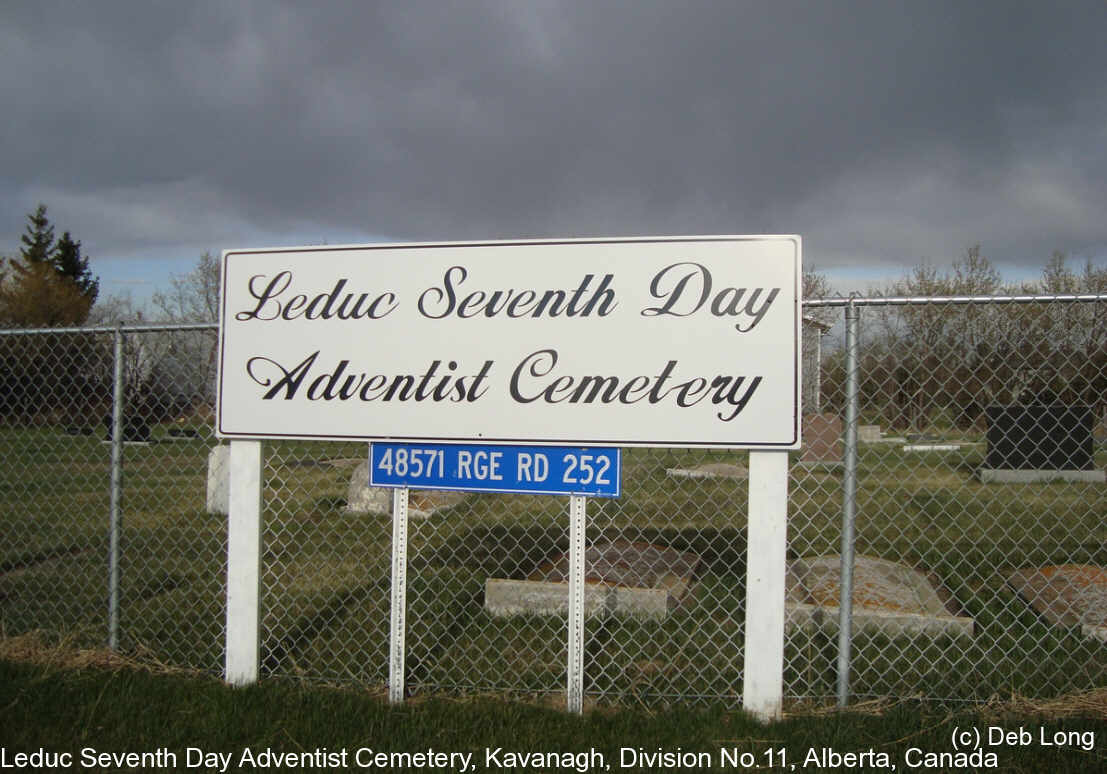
{"x": 38, "y": 241}
{"x": 50, "y": 283}
{"x": 38, "y": 297}
{"x": 69, "y": 263}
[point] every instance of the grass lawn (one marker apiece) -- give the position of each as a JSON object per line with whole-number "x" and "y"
{"x": 96, "y": 715}
{"x": 326, "y": 571}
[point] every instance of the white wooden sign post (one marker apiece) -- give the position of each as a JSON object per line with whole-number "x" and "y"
{"x": 763, "y": 673}
{"x": 517, "y": 343}
{"x": 244, "y": 563}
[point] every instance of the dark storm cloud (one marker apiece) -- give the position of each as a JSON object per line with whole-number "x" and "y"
{"x": 879, "y": 131}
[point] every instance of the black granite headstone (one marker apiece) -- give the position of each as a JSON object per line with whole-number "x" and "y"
{"x": 1038, "y": 437}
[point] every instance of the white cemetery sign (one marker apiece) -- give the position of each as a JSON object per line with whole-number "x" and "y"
{"x": 660, "y": 342}
{"x": 656, "y": 342}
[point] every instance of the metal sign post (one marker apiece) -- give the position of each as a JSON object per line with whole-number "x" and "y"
{"x": 398, "y": 621}
{"x": 575, "y": 676}
{"x": 397, "y": 629}
{"x": 580, "y": 473}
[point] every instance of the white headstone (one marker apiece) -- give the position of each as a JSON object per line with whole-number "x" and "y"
{"x": 362, "y": 498}
{"x": 868, "y": 433}
{"x": 219, "y": 480}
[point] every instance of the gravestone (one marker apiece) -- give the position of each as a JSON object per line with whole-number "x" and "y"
{"x": 1066, "y": 595}
{"x": 868, "y": 433}
{"x": 888, "y": 598}
{"x": 621, "y": 577}
{"x": 822, "y": 441}
{"x": 711, "y": 470}
{"x": 933, "y": 447}
{"x": 421, "y": 503}
{"x": 1099, "y": 434}
{"x": 219, "y": 480}
{"x": 1040, "y": 443}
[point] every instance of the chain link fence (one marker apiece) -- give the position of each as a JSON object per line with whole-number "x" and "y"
{"x": 968, "y": 488}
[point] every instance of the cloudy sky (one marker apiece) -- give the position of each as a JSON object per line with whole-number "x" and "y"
{"x": 885, "y": 133}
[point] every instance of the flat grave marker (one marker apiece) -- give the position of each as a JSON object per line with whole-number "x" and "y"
{"x": 622, "y": 577}
{"x": 711, "y": 470}
{"x": 1066, "y": 595}
{"x": 888, "y": 598}
{"x": 933, "y": 447}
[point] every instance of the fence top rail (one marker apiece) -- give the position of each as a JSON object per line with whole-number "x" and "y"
{"x": 923, "y": 300}
{"x": 132, "y": 328}
{"x": 807, "y": 302}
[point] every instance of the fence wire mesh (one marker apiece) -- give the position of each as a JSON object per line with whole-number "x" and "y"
{"x": 58, "y": 548}
{"x": 980, "y": 556}
{"x": 986, "y": 480}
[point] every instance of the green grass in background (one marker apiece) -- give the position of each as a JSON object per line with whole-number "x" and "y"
{"x": 325, "y": 578}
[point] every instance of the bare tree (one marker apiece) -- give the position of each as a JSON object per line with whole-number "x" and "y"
{"x": 192, "y": 298}
{"x": 152, "y": 386}
{"x": 942, "y": 362}
{"x": 816, "y": 286}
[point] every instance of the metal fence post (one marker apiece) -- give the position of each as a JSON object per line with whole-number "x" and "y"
{"x": 916, "y": 502}
{"x": 116, "y": 486}
{"x": 849, "y": 504}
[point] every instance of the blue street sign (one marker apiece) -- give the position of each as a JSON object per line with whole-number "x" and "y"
{"x": 560, "y": 470}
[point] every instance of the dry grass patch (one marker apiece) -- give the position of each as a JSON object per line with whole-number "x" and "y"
{"x": 43, "y": 649}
